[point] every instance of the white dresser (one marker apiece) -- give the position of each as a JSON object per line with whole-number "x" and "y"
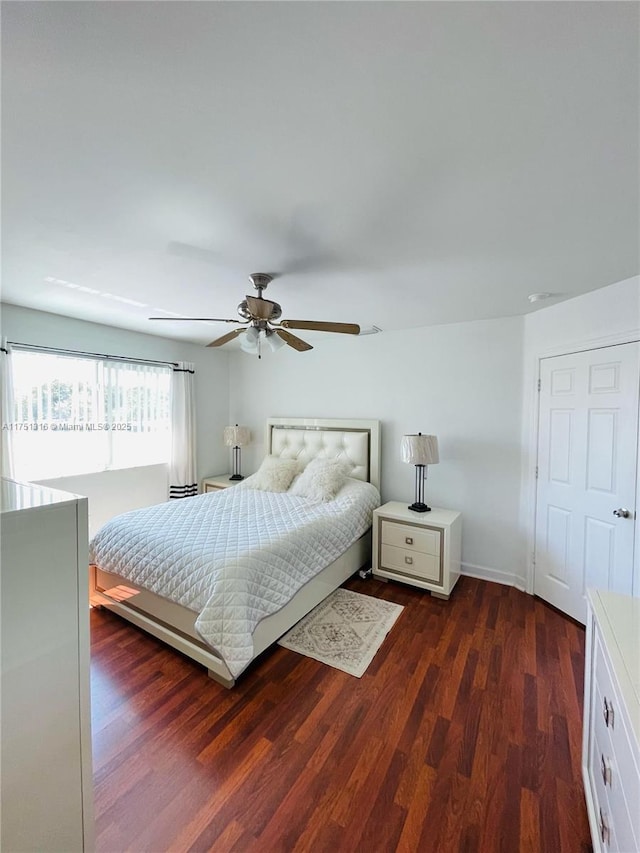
{"x": 611, "y": 737}
{"x": 47, "y": 790}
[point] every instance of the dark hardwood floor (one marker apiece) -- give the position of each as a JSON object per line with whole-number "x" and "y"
{"x": 463, "y": 735}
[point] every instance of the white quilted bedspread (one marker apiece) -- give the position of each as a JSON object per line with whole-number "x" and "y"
{"x": 233, "y": 556}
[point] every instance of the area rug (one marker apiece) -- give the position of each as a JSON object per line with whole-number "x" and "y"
{"x": 344, "y": 631}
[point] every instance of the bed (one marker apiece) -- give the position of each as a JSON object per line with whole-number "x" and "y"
{"x": 162, "y": 567}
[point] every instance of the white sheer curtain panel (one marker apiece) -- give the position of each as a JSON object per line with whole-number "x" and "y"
{"x": 182, "y": 472}
{"x": 7, "y": 413}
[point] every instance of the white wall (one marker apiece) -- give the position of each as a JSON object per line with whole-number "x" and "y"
{"x": 111, "y": 492}
{"x": 603, "y": 317}
{"x": 592, "y": 318}
{"x": 461, "y": 382}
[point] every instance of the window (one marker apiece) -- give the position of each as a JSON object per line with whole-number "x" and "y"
{"x": 77, "y": 415}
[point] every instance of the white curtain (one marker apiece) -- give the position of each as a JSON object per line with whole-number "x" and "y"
{"x": 6, "y": 411}
{"x": 182, "y": 472}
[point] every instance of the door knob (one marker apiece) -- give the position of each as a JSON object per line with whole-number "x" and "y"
{"x": 621, "y": 513}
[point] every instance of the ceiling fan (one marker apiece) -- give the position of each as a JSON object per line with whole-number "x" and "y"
{"x": 260, "y": 319}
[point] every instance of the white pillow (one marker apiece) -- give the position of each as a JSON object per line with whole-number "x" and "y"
{"x": 321, "y": 480}
{"x": 274, "y": 475}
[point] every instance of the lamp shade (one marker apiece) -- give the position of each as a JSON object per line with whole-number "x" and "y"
{"x": 236, "y": 436}
{"x": 420, "y": 449}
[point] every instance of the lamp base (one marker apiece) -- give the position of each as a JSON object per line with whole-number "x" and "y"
{"x": 419, "y": 507}
{"x": 237, "y": 477}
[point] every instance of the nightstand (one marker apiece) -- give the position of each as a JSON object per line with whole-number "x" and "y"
{"x": 217, "y": 482}
{"x": 421, "y": 549}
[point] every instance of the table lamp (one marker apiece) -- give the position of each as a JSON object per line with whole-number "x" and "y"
{"x": 420, "y": 450}
{"x": 236, "y": 437}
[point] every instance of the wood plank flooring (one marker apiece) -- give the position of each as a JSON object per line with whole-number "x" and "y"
{"x": 463, "y": 735}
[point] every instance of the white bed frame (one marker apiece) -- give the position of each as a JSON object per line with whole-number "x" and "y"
{"x": 355, "y": 441}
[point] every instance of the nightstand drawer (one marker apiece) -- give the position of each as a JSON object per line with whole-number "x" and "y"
{"x": 411, "y": 538}
{"x": 408, "y": 562}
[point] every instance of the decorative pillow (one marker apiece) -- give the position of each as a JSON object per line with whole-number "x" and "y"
{"x": 321, "y": 480}
{"x": 274, "y": 475}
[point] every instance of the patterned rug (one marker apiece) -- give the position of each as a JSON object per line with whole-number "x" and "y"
{"x": 344, "y": 631}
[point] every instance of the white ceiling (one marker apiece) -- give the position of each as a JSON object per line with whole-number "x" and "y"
{"x": 401, "y": 164}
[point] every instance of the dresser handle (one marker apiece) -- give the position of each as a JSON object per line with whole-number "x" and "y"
{"x": 607, "y": 713}
{"x": 408, "y": 540}
{"x": 604, "y": 828}
{"x": 408, "y": 561}
{"x": 605, "y": 768}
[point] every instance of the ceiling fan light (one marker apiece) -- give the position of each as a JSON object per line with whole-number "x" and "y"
{"x": 252, "y": 334}
{"x": 248, "y": 345}
{"x": 275, "y": 341}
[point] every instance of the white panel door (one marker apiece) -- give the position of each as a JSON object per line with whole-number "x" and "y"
{"x": 587, "y": 455}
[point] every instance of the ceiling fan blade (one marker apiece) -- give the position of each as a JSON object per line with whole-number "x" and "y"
{"x": 198, "y": 319}
{"x": 293, "y": 341}
{"x": 261, "y": 309}
{"x": 342, "y": 328}
{"x": 226, "y": 338}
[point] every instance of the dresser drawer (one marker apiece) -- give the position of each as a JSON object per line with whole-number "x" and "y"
{"x": 615, "y": 747}
{"x": 612, "y": 801}
{"x": 611, "y": 742}
{"x": 411, "y": 538}
{"x": 426, "y": 566}
{"x": 615, "y": 742}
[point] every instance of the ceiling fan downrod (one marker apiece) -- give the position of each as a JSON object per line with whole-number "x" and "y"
{"x": 260, "y": 280}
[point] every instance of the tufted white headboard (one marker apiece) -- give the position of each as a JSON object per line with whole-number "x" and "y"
{"x": 355, "y": 441}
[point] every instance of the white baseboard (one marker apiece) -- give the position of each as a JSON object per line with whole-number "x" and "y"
{"x": 494, "y": 575}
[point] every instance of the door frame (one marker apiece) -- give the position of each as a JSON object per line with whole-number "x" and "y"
{"x": 530, "y": 463}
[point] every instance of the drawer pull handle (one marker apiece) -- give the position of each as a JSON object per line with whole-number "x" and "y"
{"x": 409, "y": 540}
{"x": 408, "y": 561}
{"x": 607, "y": 713}
{"x": 604, "y": 828}
{"x": 605, "y": 768}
